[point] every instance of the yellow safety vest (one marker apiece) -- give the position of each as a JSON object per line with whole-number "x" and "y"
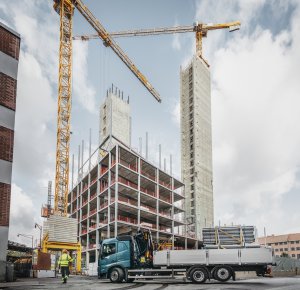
{"x": 64, "y": 260}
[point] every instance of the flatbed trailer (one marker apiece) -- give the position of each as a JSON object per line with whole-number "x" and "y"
{"x": 120, "y": 260}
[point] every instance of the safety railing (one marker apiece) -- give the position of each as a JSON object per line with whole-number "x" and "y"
{"x": 127, "y": 182}
{"x": 128, "y": 165}
{"x": 148, "y": 225}
{"x": 127, "y": 200}
{"x": 165, "y": 184}
{"x": 165, "y": 198}
{"x": 148, "y": 175}
{"x": 148, "y": 208}
{"x": 103, "y": 170}
{"x": 103, "y": 204}
{"x": 84, "y": 216}
{"x": 148, "y": 191}
{"x": 93, "y": 211}
{"x": 93, "y": 196}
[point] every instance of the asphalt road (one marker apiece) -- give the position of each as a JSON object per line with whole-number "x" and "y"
{"x": 87, "y": 283}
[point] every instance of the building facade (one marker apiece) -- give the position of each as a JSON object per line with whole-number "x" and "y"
{"x": 196, "y": 145}
{"x": 125, "y": 193}
{"x": 115, "y": 117}
{"x": 9, "y": 58}
{"x": 283, "y": 244}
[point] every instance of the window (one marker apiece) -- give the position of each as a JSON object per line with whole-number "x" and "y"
{"x": 192, "y": 203}
{"x": 192, "y": 194}
{"x": 191, "y": 70}
{"x": 192, "y": 179}
{"x": 292, "y": 249}
{"x": 276, "y": 244}
{"x": 276, "y": 250}
{"x": 191, "y": 123}
{"x": 192, "y": 163}
{"x": 191, "y": 147}
{"x": 286, "y": 249}
{"x": 192, "y": 155}
{"x": 122, "y": 247}
{"x": 108, "y": 249}
{"x": 297, "y": 242}
{"x": 192, "y": 212}
{"x": 190, "y": 86}
{"x": 191, "y": 108}
{"x": 104, "y": 131}
{"x": 191, "y": 139}
{"x": 292, "y": 242}
{"x": 285, "y": 243}
{"x": 298, "y": 248}
{"x": 293, "y": 255}
{"x": 192, "y": 187}
{"x": 192, "y": 171}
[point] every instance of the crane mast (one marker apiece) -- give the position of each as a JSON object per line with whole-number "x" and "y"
{"x": 65, "y": 9}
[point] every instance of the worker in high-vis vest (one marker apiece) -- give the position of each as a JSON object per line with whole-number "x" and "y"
{"x": 63, "y": 263}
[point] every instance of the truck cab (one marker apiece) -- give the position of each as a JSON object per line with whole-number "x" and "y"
{"x": 115, "y": 257}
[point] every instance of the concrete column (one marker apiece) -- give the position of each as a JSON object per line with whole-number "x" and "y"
{"x": 108, "y": 192}
{"x": 139, "y": 192}
{"x": 117, "y": 189}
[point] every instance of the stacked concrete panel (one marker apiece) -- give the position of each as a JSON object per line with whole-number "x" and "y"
{"x": 196, "y": 145}
{"x": 61, "y": 229}
{"x": 9, "y": 57}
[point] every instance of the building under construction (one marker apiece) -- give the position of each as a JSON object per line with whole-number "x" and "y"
{"x": 123, "y": 193}
{"x": 196, "y": 144}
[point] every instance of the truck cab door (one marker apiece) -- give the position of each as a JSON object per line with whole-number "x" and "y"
{"x": 108, "y": 256}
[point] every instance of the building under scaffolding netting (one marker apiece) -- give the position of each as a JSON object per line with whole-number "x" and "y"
{"x": 229, "y": 237}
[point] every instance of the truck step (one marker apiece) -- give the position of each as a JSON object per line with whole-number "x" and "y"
{"x": 156, "y": 277}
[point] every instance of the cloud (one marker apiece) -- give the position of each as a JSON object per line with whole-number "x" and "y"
{"x": 23, "y": 215}
{"x": 176, "y": 113}
{"x": 83, "y": 90}
{"x": 255, "y": 117}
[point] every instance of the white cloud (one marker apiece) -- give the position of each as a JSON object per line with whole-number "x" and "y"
{"x": 23, "y": 215}
{"x": 176, "y": 42}
{"x": 82, "y": 88}
{"x": 255, "y": 117}
{"x": 176, "y": 114}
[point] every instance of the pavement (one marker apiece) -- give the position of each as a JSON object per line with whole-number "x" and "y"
{"x": 87, "y": 283}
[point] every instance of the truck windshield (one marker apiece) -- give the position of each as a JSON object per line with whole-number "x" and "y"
{"x": 108, "y": 249}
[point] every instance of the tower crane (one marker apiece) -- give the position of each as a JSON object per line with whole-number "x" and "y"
{"x": 200, "y": 30}
{"x": 65, "y": 9}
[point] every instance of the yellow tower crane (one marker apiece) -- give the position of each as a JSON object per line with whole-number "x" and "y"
{"x": 200, "y": 30}
{"x": 65, "y": 9}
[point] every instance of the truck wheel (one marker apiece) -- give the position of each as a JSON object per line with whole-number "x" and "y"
{"x": 198, "y": 275}
{"x": 222, "y": 273}
{"x": 116, "y": 275}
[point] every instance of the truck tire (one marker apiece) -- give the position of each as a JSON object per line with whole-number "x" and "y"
{"x": 198, "y": 275}
{"x": 222, "y": 273}
{"x": 116, "y": 275}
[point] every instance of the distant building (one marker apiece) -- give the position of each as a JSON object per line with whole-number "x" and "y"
{"x": 9, "y": 59}
{"x": 283, "y": 244}
{"x": 115, "y": 117}
{"x": 196, "y": 144}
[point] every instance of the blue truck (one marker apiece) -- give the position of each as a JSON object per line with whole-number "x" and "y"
{"x": 126, "y": 258}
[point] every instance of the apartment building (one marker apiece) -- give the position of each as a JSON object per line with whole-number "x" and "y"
{"x": 283, "y": 244}
{"x": 9, "y": 60}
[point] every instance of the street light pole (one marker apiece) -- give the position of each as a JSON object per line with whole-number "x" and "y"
{"x": 36, "y": 225}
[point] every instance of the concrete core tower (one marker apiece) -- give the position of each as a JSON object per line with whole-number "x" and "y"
{"x": 196, "y": 145}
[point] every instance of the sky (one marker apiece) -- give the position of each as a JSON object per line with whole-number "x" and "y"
{"x": 255, "y": 99}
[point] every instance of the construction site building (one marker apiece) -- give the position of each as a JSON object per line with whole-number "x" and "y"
{"x": 196, "y": 145}
{"x": 9, "y": 59}
{"x": 124, "y": 192}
